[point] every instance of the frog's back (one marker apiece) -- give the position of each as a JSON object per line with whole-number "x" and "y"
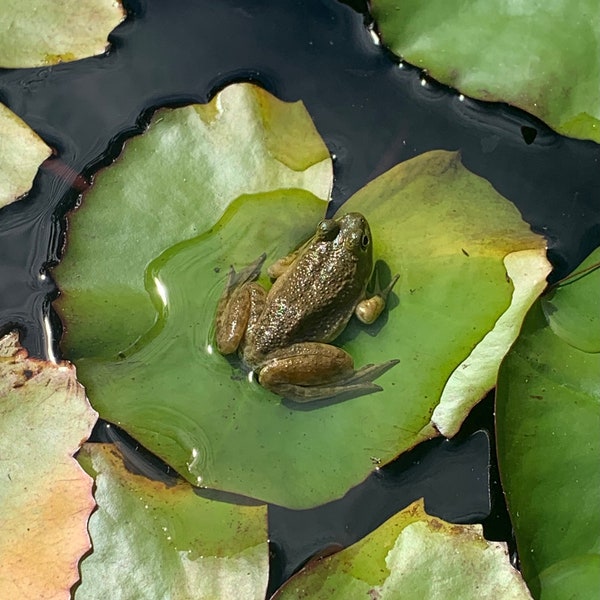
{"x": 312, "y": 301}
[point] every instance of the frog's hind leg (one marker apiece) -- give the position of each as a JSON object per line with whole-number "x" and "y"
{"x": 312, "y": 371}
{"x": 359, "y": 384}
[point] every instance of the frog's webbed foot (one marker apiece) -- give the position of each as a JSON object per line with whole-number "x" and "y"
{"x": 369, "y": 309}
{"x": 247, "y": 274}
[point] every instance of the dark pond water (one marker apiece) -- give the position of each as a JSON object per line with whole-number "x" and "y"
{"x": 372, "y": 113}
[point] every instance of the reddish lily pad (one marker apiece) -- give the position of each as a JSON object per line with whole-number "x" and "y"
{"x": 45, "y": 496}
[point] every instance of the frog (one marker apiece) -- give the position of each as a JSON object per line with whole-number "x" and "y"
{"x": 284, "y": 334}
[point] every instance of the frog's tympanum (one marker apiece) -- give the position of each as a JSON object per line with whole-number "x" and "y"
{"x": 284, "y": 334}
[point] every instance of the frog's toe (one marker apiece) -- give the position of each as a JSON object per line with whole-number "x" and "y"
{"x": 378, "y": 290}
{"x": 250, "y": 273}
{"x": 370, "y": 373}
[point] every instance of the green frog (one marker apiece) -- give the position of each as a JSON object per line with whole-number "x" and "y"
{"x": 283, "y": 334}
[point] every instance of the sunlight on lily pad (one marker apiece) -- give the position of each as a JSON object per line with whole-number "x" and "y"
{"x": 35, "y": 34}
{"x": 539, "y": 56}
{"x": 412, "y": 556}
{"x": 151, "y": 540}
{"x": 444, "y": 230}
{"x": 45, "y": 497}
{"x": 21, "y": 153}
{"x": 548, "y": 422}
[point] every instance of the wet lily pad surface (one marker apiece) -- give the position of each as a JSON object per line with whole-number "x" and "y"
{"x": 445, "y": 231}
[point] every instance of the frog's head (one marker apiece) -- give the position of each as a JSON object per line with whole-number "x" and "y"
{"x": 351, "y": 233}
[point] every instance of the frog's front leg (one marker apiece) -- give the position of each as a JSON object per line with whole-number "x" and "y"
{"x": 281, "y": 265}
{"x": 369, "y": 309}
{"x": 240, "y": 304}
{"x": 310, "y": 371}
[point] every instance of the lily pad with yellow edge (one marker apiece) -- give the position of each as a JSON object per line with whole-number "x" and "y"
{"x": 412, "y": 556}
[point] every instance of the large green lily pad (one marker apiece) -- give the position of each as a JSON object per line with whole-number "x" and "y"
{"x": 548, "y": 421}
{"x": 539, "y": 56}
{"x": 45, "y": 496}
{"x": 154, "y": 541}
{"x": 21, "y": 153}
{"x": 34, "y": 33}
{"x": 414, "y": 557}
{"x": 447, "y": 233}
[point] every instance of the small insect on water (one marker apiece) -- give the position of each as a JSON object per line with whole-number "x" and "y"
{"x": 284, "y": 334}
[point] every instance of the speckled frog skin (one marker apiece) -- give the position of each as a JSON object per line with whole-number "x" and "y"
{"x": 283, "y": 334}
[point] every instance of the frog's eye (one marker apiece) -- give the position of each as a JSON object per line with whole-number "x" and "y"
{"x": 365, "y": 241}
{"x": 327, "y": 229}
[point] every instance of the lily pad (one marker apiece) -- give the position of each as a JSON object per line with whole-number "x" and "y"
{"x": 572, "y": 308}
{"x": 45, "y": 497}
{"x": 34, "y": 34}
{"x": 21, "y": 153}
{"x": 548, "y": 419}
{"x": 413, "y": 556}
{"x": 541, "y": 57}
{"x": 155, "y": 541}
{"x": 446, "y": 231}
{"x": 172, "y": 184}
